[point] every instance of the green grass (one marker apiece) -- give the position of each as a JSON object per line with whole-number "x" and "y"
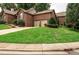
{"x": 41, "y": 35}
{"x": 4, "y": 26}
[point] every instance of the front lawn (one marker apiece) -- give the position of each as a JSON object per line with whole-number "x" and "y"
{"x": 41, "y": 35}
{"x": 4, "y": 26}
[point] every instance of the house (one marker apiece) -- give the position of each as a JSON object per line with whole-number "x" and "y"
{"x": 61, "y": 16}
{"x": 30, "y": 17}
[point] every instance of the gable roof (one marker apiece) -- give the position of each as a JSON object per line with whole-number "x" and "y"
{"x": 46, "y": 11}
{"x": 61, "y": 14}
{"x": 30, "y": 11}
{"x": 10, "y": 12}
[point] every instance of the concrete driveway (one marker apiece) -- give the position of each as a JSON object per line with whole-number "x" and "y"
{"x": 2, "y": 32}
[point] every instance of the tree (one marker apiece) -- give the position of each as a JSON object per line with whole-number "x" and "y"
{"x": 7, "y": 6}
{"x": 72, "y": 13}
{"x": 25, "y": 5}
{"x": 36, "y": 6}
{"x": 41, "y": 6}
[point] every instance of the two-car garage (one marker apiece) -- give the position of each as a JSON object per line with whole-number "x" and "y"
{"x": 40, "y": 23}
{"x": 41, "y": 18}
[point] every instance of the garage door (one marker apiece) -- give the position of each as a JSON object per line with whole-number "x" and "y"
{"x": 40, "y": 23}
{"x": 37, "y": 23}
{"x": 43, "y": 22}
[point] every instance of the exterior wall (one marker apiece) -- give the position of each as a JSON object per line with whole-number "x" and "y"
{"x": 61, "y": 20}
{"x": 45, "y": 16}
{"x": 8, "y": 18}
{"x": 28, "y": 20}
{"x": 18, "y": 15}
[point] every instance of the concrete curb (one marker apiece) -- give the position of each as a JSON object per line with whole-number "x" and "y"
{"x": 39, "y": 47}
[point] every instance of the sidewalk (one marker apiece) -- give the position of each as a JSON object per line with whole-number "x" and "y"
{"x": 39, "y": 47}
{"x": 13, "y": 30}
{"x": 56, "y": 48}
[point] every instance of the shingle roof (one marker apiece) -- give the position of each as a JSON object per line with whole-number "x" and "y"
{"x": 33, "y": 11}
{"x": 61, "y": 14}
{"x": 30, "y": 11}
{"x": 10, "y": 12}
{"x": 46, "y": 11}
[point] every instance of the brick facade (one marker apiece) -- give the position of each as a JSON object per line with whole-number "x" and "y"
{"x": 61, "y": 16}
{"x": 61, "y": 20}
{"x": 29, "y": 21}
{"x": 31, "y": 18}
{"x": 8, "y": 17}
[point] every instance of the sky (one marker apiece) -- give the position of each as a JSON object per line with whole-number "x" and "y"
{"x": 59, "y": 7}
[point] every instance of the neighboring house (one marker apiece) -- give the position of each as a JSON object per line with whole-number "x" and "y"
{"x": 8, "y": 15}
{"x": 61, "y": 16}
{"x": 30, "y": 17}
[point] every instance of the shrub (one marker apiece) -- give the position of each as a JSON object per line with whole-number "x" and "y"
{"x": 20, "y": 22}
{"x": 76, "y": 26}
{"x": 52, "y": 23}
{"x": 2, "y": 22}
{"x": 52, "y": 26}
{"x": 69, "y": 25}
{"x": 14, "y": 22}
